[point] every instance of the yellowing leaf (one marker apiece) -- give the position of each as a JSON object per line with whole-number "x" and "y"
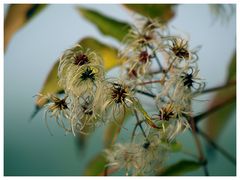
{"x": 108, "y": 26}
{"x": 108, "y": 53}
{"x": 163, "y": 12}
{"x": 17, "y": 16}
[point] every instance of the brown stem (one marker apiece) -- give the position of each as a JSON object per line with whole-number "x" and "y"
{"x": 108, "y": 170}
{"x": 135, "y": 128}
{"x": 201, "y": 156}
{"x": 155, "y": 72}
{"x": 145, "y": 93}
{"x": 105, "y": 173}
{"x": 213, "y": 109}
{"x": 149, "y": 82}
{"x": 141, "y": 92}
{"x": 155, "y": 56}
{"x": 232, "y": 83}
{"x": 140, "y": 124}
{"x": 196, "y": 139}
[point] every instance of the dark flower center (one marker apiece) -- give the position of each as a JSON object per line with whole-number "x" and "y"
{"x": 166, "y": 114}
{"x": 59, "y": 104}
{"x": 88, "y": 74}
{"x": 81, "y": 59}
{"x": 118, "y": 93}
{"x": 87, "y": 110}
{"x": 187, "y": 80}
{"x": 145, "y": 39}
{"x": 143, "y": 57}
{"x": 132, "y": 73}
{"x": 146, "y": 145}
{"x": 180, "y": 49}
{"x": 181, "y": 53}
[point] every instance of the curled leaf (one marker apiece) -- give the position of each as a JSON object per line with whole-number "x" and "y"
{"x": 108, "y": 53}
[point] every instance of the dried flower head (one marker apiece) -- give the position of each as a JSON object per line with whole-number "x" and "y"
{"x": 167, "y": 112}
{"x": 80, "y": 70}
{"x": 191, "y": 80}
{"x": 113, "y": 98}
{"x": 57, "y": 109}
{"x": 178, "y": 49}
{"x": 94, "y": 100}
{"x": 136, "y": 159}
{"x": 84, "y": 80}
{"x": 83, "y": 118}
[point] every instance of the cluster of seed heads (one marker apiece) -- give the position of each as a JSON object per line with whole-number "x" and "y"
{"x": 92, "y": 100}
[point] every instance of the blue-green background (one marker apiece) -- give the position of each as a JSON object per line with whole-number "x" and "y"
{"x": 28, "y": 147}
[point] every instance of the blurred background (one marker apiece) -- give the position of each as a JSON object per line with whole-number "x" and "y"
{"x": 32, "y": 51}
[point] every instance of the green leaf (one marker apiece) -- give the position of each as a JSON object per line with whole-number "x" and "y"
{"x": 164, "y": 12}
{"x": 96, "y": 166}
{"x": 108, "y": 26}
{"x": 17, "y": 16}
{"x": 180, "y": 168}
{"x": 218, "y": 120}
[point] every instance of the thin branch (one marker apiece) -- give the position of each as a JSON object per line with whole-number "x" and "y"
{"x": 196, "y": 139}
{"x": 140, "y": 92}
{"x": 149, "y": 82}
{"x": 213, "y": 109}
{"x": 201, "y": 156}
{"x": 105, "y": 173}
{"x": 205, "y": 169}
{"x": 135, "y": 128}
{"x": 232, "y": 83}
{"x": 155, "y": 56}
{"x": 155, "y": 72}
{"x": 145, "y": 93}
{"x": 140, "y": 124}
{"x": 217, "y": 147}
